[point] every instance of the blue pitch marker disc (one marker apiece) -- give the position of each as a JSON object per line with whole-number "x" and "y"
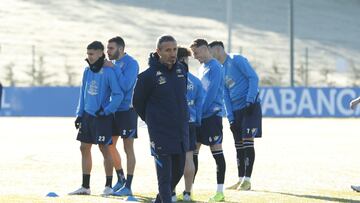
{"x": 131, "y": 199}
{"x": 52, "y": 194}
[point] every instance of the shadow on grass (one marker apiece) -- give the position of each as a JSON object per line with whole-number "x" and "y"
{"x": 140, "y": 198}
{"x": 316, "y": 197}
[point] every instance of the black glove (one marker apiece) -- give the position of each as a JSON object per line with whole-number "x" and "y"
{"x": 78, "y": 122}
{"x": 100, "y": 112}
{"x": 249, "y": 109}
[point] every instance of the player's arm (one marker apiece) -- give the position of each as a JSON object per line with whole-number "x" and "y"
{"x": 245, "y": 67}
{"x": 128, "y": 77}
{"x": 116, "y": 93}
{"x": 228, "y": 106}
{"x": 141, "y": 94}
{"x": 215, "y": 82}
{"x": 80, "y": 107}
{"x": 199, "y": 101}
{"x": 354, "y": 102}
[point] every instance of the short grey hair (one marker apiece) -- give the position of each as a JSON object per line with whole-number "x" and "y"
{"x": 164, "y": 38}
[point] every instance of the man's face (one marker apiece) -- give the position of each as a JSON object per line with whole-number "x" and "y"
{"x": 200, "y": 53}
{"x": 113, "y": 51}
{"x": 93, "y": 55}
{"x": 167, "y": 52}
{"x": 214, "y": 51}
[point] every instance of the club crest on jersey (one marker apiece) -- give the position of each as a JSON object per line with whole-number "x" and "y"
{"x": 229, "y": 82}
{"x": 190, "y": 86}
{"x": 158, "y": 73}
{"x": 93, "y": 88}
{"x": 178, "y": 71}
{"x": 161, "y": 80}
{"x": 191, "y": 102}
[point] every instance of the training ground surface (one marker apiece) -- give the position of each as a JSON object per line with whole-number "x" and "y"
{"x": 297, "y": 160}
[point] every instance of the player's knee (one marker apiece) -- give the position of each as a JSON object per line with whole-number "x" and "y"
{"x": 189, "y": 167}
{"x": 85, "y": 148}
{"x": 129, "y": 150}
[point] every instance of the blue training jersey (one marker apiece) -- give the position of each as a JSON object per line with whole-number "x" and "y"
{"x": 211, "y": 76}
{"x": 96, "y": 90}
{"x": 126, "y": 69}
{"x": 241, "y": 84}
{"x": 195, "y": 98}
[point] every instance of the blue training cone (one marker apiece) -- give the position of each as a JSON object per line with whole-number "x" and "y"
{"x": 52, "y": 194}
{"x": 131, "y": 199}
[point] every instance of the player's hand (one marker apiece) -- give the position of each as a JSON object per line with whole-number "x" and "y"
{"x": 353, "y": 104}
{"x": 78, "y": 122}
{"x": 108, "y": 63}
{"x": 100, "y": 112}
{"x": 249, "y": 109}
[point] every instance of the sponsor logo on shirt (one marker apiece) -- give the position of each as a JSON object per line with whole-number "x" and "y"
{"x": 158, "y": 73}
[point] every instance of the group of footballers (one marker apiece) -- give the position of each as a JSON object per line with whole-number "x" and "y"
{"x": 182, "y": 113}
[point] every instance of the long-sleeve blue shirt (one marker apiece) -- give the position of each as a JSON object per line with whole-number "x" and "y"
{"x": 241, "y": 84}
{"x": 96, "y": 90}
{"x": 212, "y": 79}
{"x": 195, "y": 98}
{"x": 126, "y": 69}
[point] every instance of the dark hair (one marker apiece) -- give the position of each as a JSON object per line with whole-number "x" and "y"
{"x": 216, "y": 43}
{"x": 118, "y": 40}
{"x": 164, "y": 38}
{"x": 183, "y": 52}
{"x": 96, "y": 45}
{"x": 198, "y": 43}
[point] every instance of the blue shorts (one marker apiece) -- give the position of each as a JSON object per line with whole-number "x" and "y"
{"x": 210, "y": 131}
{"x": 95, "y": 130}
{"x": 248, "y": 126}
{"x": 125, "y": 124}
{"x": 192, "y": 137}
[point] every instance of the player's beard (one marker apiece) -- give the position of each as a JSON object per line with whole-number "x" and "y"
{"x": 115, "y": 55}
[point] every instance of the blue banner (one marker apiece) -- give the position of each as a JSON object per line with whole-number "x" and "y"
{"x": 39, "y": 101}
{"x": 308, "y": 102}
{"x": 276, "y": 101}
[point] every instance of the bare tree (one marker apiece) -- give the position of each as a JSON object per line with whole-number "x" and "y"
{"x": 326, "y": 72}
{"x": 39, "y": 76}
{"x": 354, "y": 74}
{"x": 71, "y": 74}
{"x": 272, "y": 78}
{"x": 9, "y": 74}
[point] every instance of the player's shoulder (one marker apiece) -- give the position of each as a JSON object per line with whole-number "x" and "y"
{"x": 147, "y": 73}
{"x": 238, "y": 58}
{"x": 193, "y": 78}
{"x": 107, "y": 70}
{"x": 131, "y": 60}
